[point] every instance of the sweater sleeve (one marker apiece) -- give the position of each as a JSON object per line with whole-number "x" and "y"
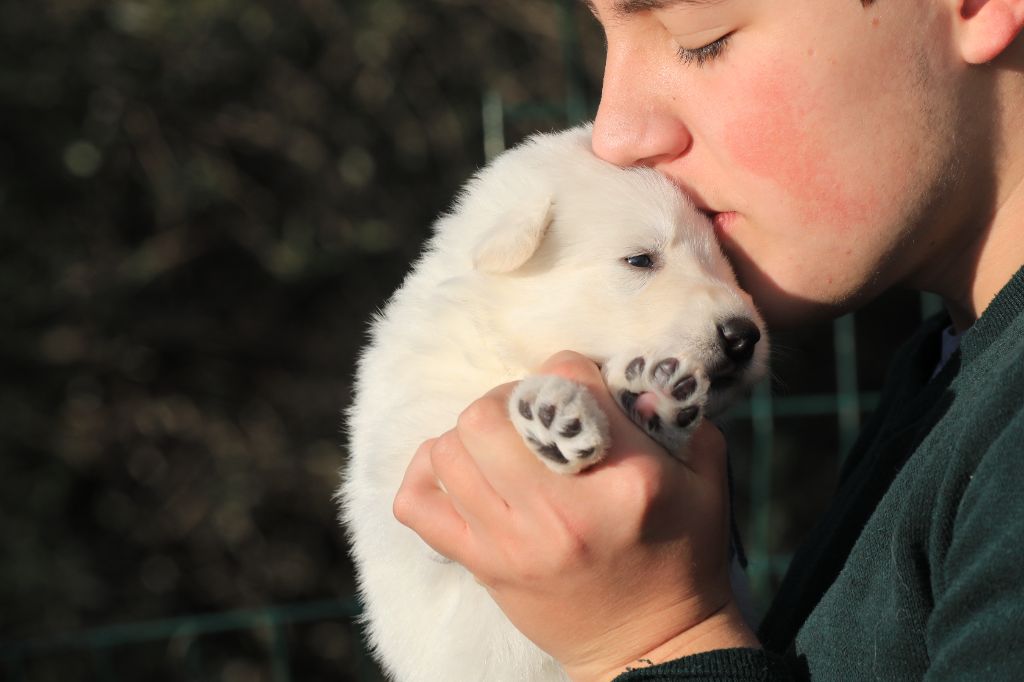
{"x": 722, "y": 665}
{"x": 975, "y": 628}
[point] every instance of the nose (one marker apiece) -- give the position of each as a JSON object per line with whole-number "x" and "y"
{"x": 635, "y": 123}
{"x": 739, "y": 335}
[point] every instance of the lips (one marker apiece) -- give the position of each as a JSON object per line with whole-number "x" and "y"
{"x": 722, "y": 221}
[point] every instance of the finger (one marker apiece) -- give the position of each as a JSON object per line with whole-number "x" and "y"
{"x": 706, "y": 451}
{"x": 708, "y": 460}
{"x": 578, "y": 368}
{"x": 628, "y": 439}
{"x": 499, "y": 455}
{"x": 636, "y": 466}
{"x": 469, "y": 490}
{"x": 422, "y": 506}
{"x": 502, "y": 391}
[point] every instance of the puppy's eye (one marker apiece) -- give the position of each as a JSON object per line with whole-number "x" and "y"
{"x": 642, "y": 260}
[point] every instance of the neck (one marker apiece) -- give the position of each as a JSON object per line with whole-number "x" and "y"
{"x": 990, "y": 246}
{"x": 999, "y": 256}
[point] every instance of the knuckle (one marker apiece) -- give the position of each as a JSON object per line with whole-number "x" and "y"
{"x": 404, "y": 506}
{"x": 482, "y": 415}
{"x": 571, "y": 550}
{"x": 445, "y": 450}
{"x": 566, "y": 356}
{"x": 522, "y": 568}
{"x": 423, "y": 450}
{"x": 569, "y": 364}
{"x": 557, "y": 557}
{"x": 638, "y": 483}
{"x": 559, "y": 551}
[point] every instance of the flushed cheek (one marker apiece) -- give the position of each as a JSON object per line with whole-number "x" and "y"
{"x": 784, "y": 132}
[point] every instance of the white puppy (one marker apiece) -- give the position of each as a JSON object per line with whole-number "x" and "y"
{"x": 548, "y": 248}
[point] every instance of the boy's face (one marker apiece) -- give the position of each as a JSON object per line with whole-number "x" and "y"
{"x": 823, "y": 134}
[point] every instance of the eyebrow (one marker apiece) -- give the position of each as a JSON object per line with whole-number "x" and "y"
{"x": 624, "y": 8}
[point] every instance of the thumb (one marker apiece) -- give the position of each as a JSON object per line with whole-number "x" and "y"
{"x": 572, "y": 365}
{"x": 581, "y": 369}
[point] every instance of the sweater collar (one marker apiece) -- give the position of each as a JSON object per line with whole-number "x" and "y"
{"x": 1005, "y": 308}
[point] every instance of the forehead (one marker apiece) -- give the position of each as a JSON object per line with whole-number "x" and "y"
{"x": 625, "y": 8}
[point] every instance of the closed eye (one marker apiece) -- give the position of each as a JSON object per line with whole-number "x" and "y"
{"x": 642, "y": 260}
{"x": 702, "y": 55}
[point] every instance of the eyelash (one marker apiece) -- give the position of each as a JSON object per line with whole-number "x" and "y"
{"x": 702, "y": 55}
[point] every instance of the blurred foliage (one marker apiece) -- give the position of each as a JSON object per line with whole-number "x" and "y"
{"x": 201, "y": 202}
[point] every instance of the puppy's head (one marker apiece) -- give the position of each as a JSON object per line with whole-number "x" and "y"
{"x": 581, "y": 254}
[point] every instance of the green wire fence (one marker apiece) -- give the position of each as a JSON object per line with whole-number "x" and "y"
{"x": 96, "y": 651}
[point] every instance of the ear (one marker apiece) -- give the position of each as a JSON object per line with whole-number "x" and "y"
{"x": 987, "y": 27}
{"x": 514, "y": 237}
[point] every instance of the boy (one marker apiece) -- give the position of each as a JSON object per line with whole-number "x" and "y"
{"x": 841, "y": 148}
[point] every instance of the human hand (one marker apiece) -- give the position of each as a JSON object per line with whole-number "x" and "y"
{"x": 626, "y": 561}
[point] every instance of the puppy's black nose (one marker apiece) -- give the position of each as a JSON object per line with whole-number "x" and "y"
{"x": 739, "y": 336}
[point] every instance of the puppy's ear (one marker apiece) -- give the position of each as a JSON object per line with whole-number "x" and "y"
{"x": 513, "y": 238}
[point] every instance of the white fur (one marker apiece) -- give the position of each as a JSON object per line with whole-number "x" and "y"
{"x": 529, "y": 261}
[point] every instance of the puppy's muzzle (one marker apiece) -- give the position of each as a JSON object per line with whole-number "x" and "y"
{"x": 737, "y": 340}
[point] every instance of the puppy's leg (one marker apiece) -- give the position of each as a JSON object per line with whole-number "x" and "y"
{"x": 663, "y": 395}
{"x": 560, "y": 421}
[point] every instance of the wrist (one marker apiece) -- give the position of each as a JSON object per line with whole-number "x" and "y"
{"x": 724, "y": 629}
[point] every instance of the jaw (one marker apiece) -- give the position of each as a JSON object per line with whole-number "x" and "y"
{"x": 721, "y": 399}
{"x": 728, "y": 388}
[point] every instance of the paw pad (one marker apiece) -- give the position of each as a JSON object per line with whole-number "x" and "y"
{"x": 663, "y": 395}
{"x": 560, "y": 421}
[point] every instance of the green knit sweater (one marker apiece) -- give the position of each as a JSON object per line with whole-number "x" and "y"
{"x": 917, "y": 569}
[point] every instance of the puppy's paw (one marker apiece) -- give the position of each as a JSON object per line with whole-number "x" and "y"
{"x": 560, "y": 421}
{"x": 664, "y": 395}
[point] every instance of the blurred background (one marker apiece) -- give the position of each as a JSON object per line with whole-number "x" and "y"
{"x": 201, "y": 203}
